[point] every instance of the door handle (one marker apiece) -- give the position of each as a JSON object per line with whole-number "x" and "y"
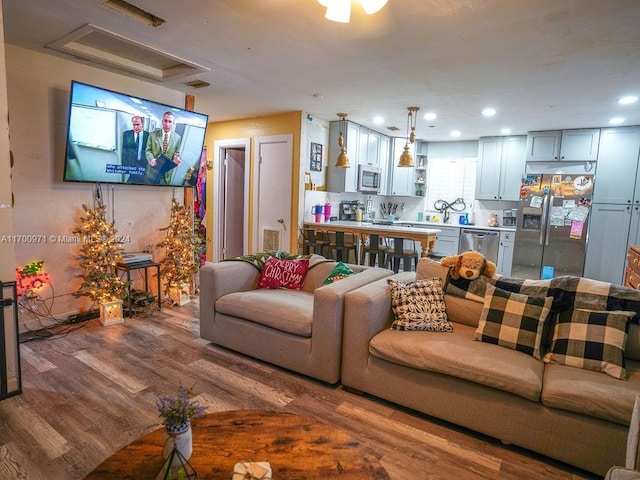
{"x": 543, "y": 225}
{"x": 281, "y": 221}
{"x": 547, "y": 224}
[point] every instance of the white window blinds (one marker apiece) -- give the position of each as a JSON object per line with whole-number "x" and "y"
{"x": 449, "y": 179}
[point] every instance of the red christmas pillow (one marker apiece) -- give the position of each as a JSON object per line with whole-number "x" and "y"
{"x": 283, "y": 273}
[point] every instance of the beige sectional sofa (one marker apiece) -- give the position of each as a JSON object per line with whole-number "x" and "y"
{"x": 577, "y": 416}
{"x": 300, "y": 330}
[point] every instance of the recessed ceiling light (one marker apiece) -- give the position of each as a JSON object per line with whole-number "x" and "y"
{"x": 378, "y": 120}
{"x": 628, "y": 100}
{"x": 505, "y": 131}
{"x": 456, "y": 133}
{"x": 430, "y": 116}
{"x": 489, "y": 112}
{"x": 616, "y": 121}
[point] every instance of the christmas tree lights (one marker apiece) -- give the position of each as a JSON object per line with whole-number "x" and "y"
{"x": 98, "y": 253}
{"x": 181, "y": 246}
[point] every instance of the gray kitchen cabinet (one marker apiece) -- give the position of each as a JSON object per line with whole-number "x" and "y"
{"x": 501, "y": 163}
{"x": 617, "y": 172}
{"x": 505, "y": 253}
{"x": 385, "y": 162}
{"x": 369, "y": 152}
{"x": 608, "y": 240}
{"x": 343, "y": 179}
{"x": 615, "y": 208}
{"x": 402, "y": 178}
{"x": 564, "y": 145}
{"x": 447, "y": 241}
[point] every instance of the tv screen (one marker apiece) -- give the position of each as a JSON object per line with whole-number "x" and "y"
{"x": 117, "y": 138}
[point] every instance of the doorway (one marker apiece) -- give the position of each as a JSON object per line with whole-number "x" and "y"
{"x": 231, "y": 204}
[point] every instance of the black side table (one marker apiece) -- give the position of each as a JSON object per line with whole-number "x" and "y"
{"x": 136, "y": 266}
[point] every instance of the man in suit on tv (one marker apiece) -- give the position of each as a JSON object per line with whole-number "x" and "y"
{"x": 134, "y": 144}
{"x": 162, "y": 152}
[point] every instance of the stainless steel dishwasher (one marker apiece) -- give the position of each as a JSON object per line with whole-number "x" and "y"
{"x": 483, "y": 241}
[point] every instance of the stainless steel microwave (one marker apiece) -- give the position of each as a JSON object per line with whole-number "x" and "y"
{"x": 369, "y": 178}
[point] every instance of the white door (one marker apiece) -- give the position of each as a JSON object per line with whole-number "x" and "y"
{"x": 273, "y": 167}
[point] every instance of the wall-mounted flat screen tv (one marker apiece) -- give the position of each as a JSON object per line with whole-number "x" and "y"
{"x": 118, "y": 138}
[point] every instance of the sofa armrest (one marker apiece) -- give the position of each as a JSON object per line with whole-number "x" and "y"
{"x": 367, "y": 312}
{"x": 328, "y": 311}
{"x": 219, "y": 279}
{"x": 633, "y": 438}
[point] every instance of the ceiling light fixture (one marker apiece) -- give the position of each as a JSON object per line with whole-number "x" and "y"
{"x": 343, "y": 158}
{"x": 340, "y": 10}
{"x": 505, "y": 131}
{"x": 489, "y": 112}
{"x": 628, "y": 100}
{"x": 616, "y": 121}
{"x": 456, "y": 133}
{"x": 378, "y": 120}
{"x": 430, "y": 116}
{"x": 406, "y": 159}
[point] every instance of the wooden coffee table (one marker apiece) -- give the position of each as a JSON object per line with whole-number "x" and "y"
{"x": 296, "y": 447}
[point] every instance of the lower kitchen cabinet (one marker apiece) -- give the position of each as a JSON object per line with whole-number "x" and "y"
{"x": 505, "y": 253}
{"x": 448, "y": 241}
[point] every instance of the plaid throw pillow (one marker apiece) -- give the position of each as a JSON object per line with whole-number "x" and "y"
{"x": 513, "y": 320}
{"x": 591, "y": 340}
{"x": 419, "y": 305}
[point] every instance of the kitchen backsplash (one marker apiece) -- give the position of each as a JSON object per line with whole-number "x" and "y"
{"x": 408, "y": 207}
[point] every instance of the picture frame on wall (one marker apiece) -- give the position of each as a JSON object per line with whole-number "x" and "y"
{"x": 316, "y": 157}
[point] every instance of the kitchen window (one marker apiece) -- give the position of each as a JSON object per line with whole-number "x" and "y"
{"x": 451, "y": 178}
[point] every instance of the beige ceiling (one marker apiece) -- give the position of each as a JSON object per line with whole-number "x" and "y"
{"x": 543, "y": 64}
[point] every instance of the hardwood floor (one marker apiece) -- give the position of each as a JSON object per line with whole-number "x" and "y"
{"x": 92, "y": 391}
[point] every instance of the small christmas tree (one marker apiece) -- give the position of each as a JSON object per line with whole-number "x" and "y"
{"x": 98, "y": 252}
{"x": 181, "y": 245}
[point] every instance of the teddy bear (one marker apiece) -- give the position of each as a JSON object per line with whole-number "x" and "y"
{"x": 469, "y": 265}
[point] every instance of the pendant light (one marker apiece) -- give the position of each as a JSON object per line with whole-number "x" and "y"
{"x": 343, "y": 158}
{"x": 340, "y": 10}
{"x": 406, "y": 159}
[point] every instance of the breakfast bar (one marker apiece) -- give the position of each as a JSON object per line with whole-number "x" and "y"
{"x": 426, "y": 236}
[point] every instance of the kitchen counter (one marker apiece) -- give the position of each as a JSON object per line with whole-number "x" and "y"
{"x": 456, "y": 225}
{"x": 423, "y": 234}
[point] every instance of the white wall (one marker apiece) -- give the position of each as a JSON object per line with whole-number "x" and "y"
{"x": 38, "y": 95}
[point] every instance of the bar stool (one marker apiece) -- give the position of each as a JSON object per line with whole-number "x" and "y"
{"x": 397, "y": 252}
{"x": 342, "y": 245}
{"x": 314, "y": 242}
{"x": 373, "y": 245}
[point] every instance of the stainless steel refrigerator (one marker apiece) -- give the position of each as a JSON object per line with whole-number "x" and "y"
{"x": 552, "y": 225}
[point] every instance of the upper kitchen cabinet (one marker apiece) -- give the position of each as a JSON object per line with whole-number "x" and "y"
{"x": 364, "y": 147}
{"x": 369, "y": 152}
{"x": 617, "y": 172}
{"x": 566, "y": 145}
{"x": 402, "y": 179}
{"x": 385, "y": 163}
{"x": 500, "y": 168}
{"x": 343, "y": 179}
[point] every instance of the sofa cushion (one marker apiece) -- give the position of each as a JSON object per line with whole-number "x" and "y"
{"x": 289, "y": 311}
{"x": 419, "y": 305}
{"x": 278, "y": 273}
{"x": 589, "y": 339}
{"x": 458, "y": 355}
{"x": 588, "y": 392}
{"x": 339, "y": 272}
{"x": 513, "y": 320}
